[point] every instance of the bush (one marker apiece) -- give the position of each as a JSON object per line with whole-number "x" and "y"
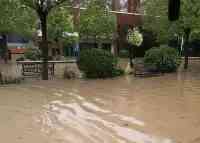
{"x": 98, "y": 63}
{"x": 163, "y": 58}
{"x": 20, "y": 59}
{"x": 149, "y": 41}
{"x": 32, "y": 54}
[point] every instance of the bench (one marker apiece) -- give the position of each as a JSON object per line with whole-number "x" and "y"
{"x": 142, "y": 71}
{"x": 34, "y": 68}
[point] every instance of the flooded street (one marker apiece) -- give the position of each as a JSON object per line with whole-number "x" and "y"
{"x": 162, "y": 109}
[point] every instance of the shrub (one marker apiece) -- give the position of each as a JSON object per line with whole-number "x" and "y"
{"x": 98, "y": 63}
{"x": 32, "y": 54}
{"x": 163, "y": 58}
{"x": 149, "y": 41}
{"x": 20, "y": 59}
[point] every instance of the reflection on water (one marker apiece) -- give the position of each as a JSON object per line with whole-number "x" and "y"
{"x": 92, "y": 127}
{"x": 123, "y": 110}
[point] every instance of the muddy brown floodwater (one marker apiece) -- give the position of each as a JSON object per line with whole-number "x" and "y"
{"x": 162, "y": 109}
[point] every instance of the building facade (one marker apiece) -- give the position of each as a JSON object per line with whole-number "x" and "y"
{"x": 125, "y": 11}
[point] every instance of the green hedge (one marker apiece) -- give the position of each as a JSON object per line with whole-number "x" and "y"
{"x": 98, "y": 63}
{"x": 163, "y": 58}
{"x": 32, "y": 54}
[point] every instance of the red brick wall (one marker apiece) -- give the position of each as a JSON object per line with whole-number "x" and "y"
{"x": 131, "y": 20}
{"x": 125, "y": 21}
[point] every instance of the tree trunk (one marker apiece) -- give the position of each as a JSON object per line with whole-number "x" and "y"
{"x": 44, "y": 46}
{"x": 95, "y": 42}
{"x": 4, "y": 47}
{"x": 114, "y": 44}
{"x": 115, "y": 5}
{"x": 173, "y": 9}
{"x": 1, "y": 78}
{"x": 76, "y": 14}
{"x": 186, "y": 50}
{"x": 131, "y": 55}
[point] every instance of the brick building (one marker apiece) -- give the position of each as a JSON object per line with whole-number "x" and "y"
{"x": 125, "y": 11}
{"x": 128, "y": 18}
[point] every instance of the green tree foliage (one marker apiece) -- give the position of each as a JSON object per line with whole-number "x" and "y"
{"x": 157, "y": 20}
{"x": 43, "y": 9}
{"x": 187, "y": 24}
{"x": 96, "y": 22}
{"x": 60, "y": 20}
{"x": 15, "y": 18}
